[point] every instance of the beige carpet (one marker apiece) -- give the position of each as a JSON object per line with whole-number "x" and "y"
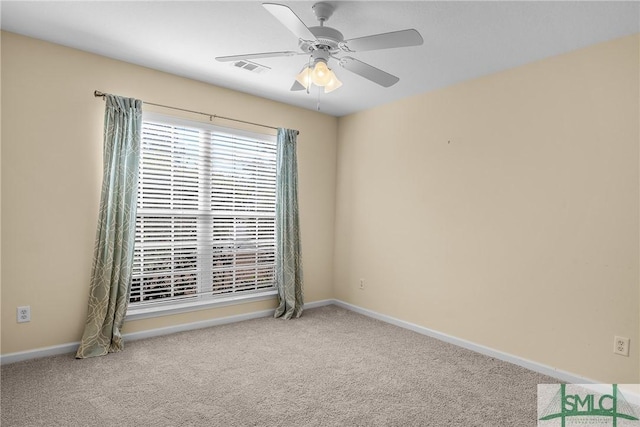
{"x": 331, "y": 367}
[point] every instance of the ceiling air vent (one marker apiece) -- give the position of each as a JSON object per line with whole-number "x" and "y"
{"x": 251, "y": 66}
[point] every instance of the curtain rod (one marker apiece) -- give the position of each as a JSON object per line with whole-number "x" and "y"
{"x": 99, "y": 94}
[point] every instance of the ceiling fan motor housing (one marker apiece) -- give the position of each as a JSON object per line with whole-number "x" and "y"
{"x": 327, "y": 38}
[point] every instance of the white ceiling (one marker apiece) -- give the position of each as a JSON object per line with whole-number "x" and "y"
{"x": 463, "y": 40}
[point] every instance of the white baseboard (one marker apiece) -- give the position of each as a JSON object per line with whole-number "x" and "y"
{"x": 320, "y": 303}
{"x": 133, "y": 336}
{"x": 37, "y": 353}
{"x": 56, "y": 350}
{"x": 559, "y": 374}
{"x": 525, "y": 363}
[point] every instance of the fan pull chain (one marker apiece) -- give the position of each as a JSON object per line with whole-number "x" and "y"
{"x": 308, "y": 73}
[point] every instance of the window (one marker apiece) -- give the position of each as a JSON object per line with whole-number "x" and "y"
{"x": 205, "y": 223}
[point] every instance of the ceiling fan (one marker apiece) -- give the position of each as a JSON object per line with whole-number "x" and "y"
{"x": 324, "y": 43}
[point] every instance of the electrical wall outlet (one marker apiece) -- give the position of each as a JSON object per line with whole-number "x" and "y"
{"x": 621, "y": 346}
{"x": 23, "y": 314}
{"x": 361, "y": 283}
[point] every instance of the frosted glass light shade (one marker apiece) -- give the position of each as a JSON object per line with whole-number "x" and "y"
{"x": 304, "y": 78}
{"x": 333, "y": 84}
{"x": 321, "y": 74}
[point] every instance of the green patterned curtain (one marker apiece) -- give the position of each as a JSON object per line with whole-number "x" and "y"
{"x": 288, "y": 255}
{"x": 113, "y": 252}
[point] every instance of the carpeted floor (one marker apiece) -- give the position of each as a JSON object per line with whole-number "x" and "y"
{"x": 331, "y": 367}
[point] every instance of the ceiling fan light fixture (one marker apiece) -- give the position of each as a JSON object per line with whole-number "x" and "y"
{"x": 324, "y": 77}
{"x": 304, "y": 78}
{"x": 333, "y": 84}
{"x": 321, "y": 74}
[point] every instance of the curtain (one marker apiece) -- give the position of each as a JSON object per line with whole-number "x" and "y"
{"x": 288, "y": 255}
{"x": 113, "y": 251}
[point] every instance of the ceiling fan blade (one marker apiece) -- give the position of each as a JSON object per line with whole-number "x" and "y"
{"x": 297, "y": 86}
{"x": 402, "y": 38}
{"x": 368, "y": 72}
{"x": 257, "y": 55}
{"x": 289, "y": 20}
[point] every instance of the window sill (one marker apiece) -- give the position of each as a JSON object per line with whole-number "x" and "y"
{"x": 138, "y": 313}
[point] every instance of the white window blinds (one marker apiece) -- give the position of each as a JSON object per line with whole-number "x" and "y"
{"x": 205, "y": 223}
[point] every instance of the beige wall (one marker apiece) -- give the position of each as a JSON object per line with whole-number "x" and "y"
{"x": 52, "y": 171}
{"x": 503, "y": 210}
